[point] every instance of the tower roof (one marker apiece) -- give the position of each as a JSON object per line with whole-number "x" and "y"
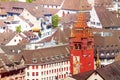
{"x": 81, "y": 21}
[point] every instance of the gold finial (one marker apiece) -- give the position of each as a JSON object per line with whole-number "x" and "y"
{"x": 98, "y": 62}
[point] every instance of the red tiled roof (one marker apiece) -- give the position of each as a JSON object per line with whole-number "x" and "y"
{"x": 44, "y": 53}
{"x": 107, "y": 18}
{"x": 103, "y": 2}
{"x": 6, "y": 37}
{"x": 48, "y": 2}
{"x": 76, "y": 5}
{"x": 108, "y": 72}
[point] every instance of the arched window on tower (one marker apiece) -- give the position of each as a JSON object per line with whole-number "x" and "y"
{"x": 79, "y": 46}
{"x": 76, "y": 46}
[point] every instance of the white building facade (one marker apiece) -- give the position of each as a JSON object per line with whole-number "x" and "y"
{"x": 51, "y": 71}
{"x": 94, "y": 20}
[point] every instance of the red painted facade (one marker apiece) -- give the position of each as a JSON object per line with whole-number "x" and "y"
{"x": 81, "y": 46}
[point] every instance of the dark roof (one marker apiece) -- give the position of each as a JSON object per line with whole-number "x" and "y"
{"x": 6, "y": 37}
{"x": 105, "y": 3}
{"x": 39, "y": 11}
{"x": 105, "y": 37}
{"x": 44, "y": 55}
{"x": 109, "y": 72}
{"x": 76, "y": 5}
{"x": 73, "y": 17}
{"x": 48, "y": 2}
{"x": 10, "y": 50}
{"x": 106, "y": 17}
{"x": 34, "y": 9}
{"x": 82, "y": 76}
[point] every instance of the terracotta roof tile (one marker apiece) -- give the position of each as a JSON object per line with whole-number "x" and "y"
{"x": 108, "y": 72}
{"x": 6, "y": 37}
{"x": 48, "y": 2}
{"x": 103, "y": 2}
{"x": 76, "y": 5}
{"x": 42, "y": 55}
{"x": 73, "y": 17}
{"x": 107, "y": 18}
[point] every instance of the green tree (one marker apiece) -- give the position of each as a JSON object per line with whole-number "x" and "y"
{"x": 39, "y": 34}
{"x": 29, "y": 1}
{"x": 18, "y": 29}
{"x": 55, "y": 20}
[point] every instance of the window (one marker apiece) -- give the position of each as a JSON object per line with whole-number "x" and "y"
{"x": 79, "y": 46}
{"x": 98, "y": 24}
{"x": 33, "y": 67}
{"x": 36, "y": 73}
{"x": 44, "y": 66}
{"x": 36, "y": 66}
{"x": 37, "y": 19}
{"x": 28, "y": 74}
{"x": 15, "y": 40}
{"x": 64, "y": 75}
{"x": 27, "y": 67}
{"x": 41, "y": 66}
{"x": 47, "y": 72}
{"x": 76, "y": 47}
{"x": 41, "y": 73}
{"x": 33, "y": 74}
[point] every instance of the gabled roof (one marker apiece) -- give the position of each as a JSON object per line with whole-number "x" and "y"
{"x": 6, "y": 37}
{"x": 76, "y": 5}
{"x": 10, "y": 50}
{"x": 112, "y": 37}
{"x": 82, "y": 76}
{"x": 26, "y": 20}
{"x": 48, "y": 2}
{"x": 39, "y": 11}
{"x": 108, "y": 72}
{"x": 107, "y": 18}
{"x": 73, "y": 17}
{"x": 45, "y": 55}
{"x": 103, "y": 2}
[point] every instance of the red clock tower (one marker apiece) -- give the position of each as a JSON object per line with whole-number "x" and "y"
{"x": 81, "y": 46}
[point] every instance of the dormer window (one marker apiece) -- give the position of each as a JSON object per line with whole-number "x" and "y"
{"x": 102, "y": 54}
{"x": 112, "y": 53}
{"x": 34, "y": 60}
{"x": 12, "y": 50}
{"x": 108, "y": 54}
